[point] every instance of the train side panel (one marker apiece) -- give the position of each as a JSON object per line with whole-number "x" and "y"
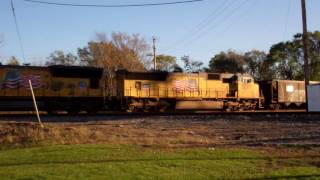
{"x": 283, "y": 94}
{"x": 291, "y": 92}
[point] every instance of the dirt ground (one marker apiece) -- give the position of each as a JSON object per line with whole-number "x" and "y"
{"x": 168, "y": 131}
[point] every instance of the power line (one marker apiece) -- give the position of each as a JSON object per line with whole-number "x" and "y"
{"x": 232, "y": 23}
{"x": 223, "y": 19}
{"x": 206, "y": 22}
{"x": 18, "y": 31}
{"x": 287, "y": 20}
{"x": 201, "y": 25}
{"x": 112, "y": 5}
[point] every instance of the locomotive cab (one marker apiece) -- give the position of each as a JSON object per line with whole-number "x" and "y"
{"x": 242, "y": 86}
{"x": 247, "y": 88}
{"x": 243, "y": 92}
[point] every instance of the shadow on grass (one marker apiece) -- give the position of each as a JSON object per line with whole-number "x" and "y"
{"x": 316, "y": 176}
{"x": 152, "y": 160}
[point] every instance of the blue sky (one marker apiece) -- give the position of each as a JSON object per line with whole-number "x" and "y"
{"x": 241, "y": 25}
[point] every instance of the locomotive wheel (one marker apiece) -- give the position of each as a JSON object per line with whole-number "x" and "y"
{"x": 275, "y": 106}
{"x": 235, "y": 108}
{"x": 52, "y": 112}
{"x": 241, "y": 108}
{"x": 73, "y": 111}
{"x": 131, "y": 108}
{"x": 163, "y": 109}
{"x": 146, "y": 109}
{"x": 92, "y": 111}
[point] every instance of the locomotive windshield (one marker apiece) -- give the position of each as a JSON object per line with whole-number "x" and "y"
{"x": 246, "y": 80}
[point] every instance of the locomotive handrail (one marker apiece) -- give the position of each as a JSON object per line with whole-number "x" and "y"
{"x": 173, "y": 92}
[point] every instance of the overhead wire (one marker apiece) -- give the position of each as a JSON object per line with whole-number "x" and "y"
{"x": 229, "y": 25}
{"x": 286, "y": 20}
{"x": 223, "y": 19}
{"x": 200, "y": 25}
{"x": 113, "y": 5}
{"x": 18, "y": 31}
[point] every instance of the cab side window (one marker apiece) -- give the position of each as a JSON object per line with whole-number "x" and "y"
{"x": 246, "y": 80}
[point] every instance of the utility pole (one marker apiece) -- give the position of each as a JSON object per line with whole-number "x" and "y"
{"x": 305, "y": 50}
{"x": 154, "y": 54}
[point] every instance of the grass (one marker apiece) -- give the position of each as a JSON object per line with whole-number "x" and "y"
{"x": 134, "y": 162}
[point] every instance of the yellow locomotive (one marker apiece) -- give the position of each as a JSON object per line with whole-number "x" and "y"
{"x": 162, "y": 90}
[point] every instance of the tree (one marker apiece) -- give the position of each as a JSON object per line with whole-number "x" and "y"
{"x": 166, "y": 62}
{"x": 122, "y": 51}
{"x": 230, "y": 62}
{"x": 13, "y": 61}
{"x": 177, "y": 68}
{"x": 85, "y": 55}
{"x": 191, "y": 65}
{"x": 60, "y": 58}
{"x": 254, "y": 64}
{"x": 286, "y": 61}
{"x": 133, "y": 44}
{"x": 314, "y": 53}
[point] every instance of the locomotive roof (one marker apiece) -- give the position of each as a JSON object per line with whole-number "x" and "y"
{"x": 22, "y": 67}
{"x": 76, "y": 71}
{"x": 162, "y": 75}
{"x": 64, "y": 71}
{"x": 51, "y": 66}
{"x": 147, "y": 75}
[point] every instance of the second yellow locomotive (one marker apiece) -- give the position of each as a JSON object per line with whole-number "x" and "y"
{"x": 189, "y": 91}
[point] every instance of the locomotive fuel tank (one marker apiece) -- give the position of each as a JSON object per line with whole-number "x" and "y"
{"x": 199, "y": 105}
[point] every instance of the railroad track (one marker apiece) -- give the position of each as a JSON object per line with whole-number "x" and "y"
{"x": 282, "y": 115}
{"x": 170, "y": 113}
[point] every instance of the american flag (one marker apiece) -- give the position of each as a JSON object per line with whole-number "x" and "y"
{"x": 11, "y": 83}
{"x": 179, "y": 85}
{"x": 23, "y": 81}
{"x": 185, "y": 85}
{"x": 146, "y": 86}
